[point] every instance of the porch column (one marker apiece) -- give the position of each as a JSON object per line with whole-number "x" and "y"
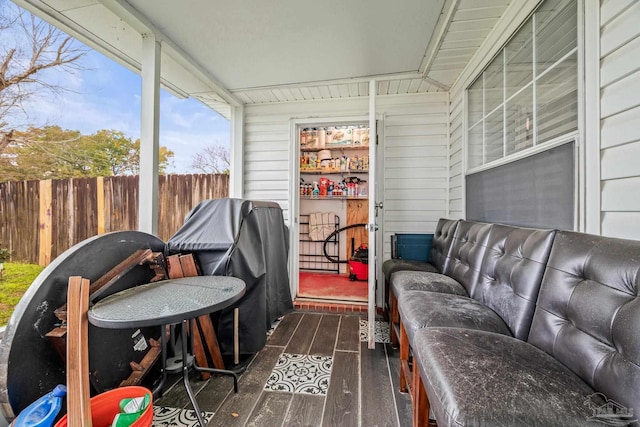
{"x": 149, "y": 136}
{"x": 236, "y": 178}
{"x": 371, "y": 305}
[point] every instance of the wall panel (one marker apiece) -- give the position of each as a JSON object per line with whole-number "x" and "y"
{"x": 620, "y": 118}
{"x": 415, "y": 150}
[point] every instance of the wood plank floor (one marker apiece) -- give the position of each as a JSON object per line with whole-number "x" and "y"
{"x": 361, "y": 391}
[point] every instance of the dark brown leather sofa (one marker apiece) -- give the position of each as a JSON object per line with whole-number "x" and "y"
{"x": 541, "y": 329}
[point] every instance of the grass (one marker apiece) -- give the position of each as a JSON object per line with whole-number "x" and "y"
{"x": 14, "y": 282}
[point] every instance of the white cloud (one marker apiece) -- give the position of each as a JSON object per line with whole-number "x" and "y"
{"x": 75, "y": 111}
{"x": 186, "y": 144}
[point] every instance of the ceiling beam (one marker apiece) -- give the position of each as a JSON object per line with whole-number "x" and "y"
{"x": 442, "y": 27}
{"x": 366, "y": 79}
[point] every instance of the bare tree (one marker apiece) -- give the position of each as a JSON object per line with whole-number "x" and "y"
{"x": 212, "y": 159}
{"x": 5, "y": 140}
{"x": 28, "y": 47}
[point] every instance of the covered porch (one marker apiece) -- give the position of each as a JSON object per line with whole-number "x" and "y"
{"x": 408, "y": 72}
{"x": 465, "y": 100}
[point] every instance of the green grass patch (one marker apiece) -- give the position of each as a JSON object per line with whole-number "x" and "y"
{"x": 14, "y": 282}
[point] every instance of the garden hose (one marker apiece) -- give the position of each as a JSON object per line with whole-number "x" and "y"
{"x": 337, "y": 260}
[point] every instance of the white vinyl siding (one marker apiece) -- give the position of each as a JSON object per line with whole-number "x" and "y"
{"x": 266, "y": 159}
{"x": 456, "y": 155}
{"x": 415, "y": 151}
{"x": 415, "y": 166}
{"x": 620, "y": 118}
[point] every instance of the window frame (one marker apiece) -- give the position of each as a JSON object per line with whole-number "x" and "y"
{"x": 536, "y": 146}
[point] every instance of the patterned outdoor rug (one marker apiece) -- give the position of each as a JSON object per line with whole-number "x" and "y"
{"x": 300, "y": 373}
{"x": 381, "y": 331}
{"x": 164, "y": 416}
{"x": 274, "y": 325}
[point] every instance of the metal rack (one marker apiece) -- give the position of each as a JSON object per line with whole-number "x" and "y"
{"x": 311, "y": 254}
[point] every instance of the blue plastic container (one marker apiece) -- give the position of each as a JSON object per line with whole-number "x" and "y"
{"x": 43, "y": 411}
{"x": 414, "y": 247}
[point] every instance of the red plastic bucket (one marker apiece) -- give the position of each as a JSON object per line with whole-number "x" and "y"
{"x": 106, "y": 405}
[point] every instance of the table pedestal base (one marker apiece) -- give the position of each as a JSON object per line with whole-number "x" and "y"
{"x": 174, "y": 364}
{"x": 184, "y": 363}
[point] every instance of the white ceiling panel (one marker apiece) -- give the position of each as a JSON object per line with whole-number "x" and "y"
{"x": 254, "y": 52}
{"x": 472, "y": 21}
{"x": 249, "y": 43}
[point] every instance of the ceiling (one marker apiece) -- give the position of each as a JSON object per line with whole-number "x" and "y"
{"x": 249, "y": 43}
{"x": 238, "y": 52}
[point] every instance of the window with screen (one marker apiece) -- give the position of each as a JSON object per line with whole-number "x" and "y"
{"x": 535, "y": 191}
{"x": 528, "y": 94}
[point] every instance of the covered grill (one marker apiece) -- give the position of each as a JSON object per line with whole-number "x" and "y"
{"x": 248, "y": 240}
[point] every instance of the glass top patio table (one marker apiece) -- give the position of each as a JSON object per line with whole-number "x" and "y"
{"x": 166, "y": 302}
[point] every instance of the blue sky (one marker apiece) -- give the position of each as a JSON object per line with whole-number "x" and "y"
{"x": 104, "y": 95}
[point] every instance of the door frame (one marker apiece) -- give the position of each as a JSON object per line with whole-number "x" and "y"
{"x": 294, "y": 180}
{"x": 380, "y": 197}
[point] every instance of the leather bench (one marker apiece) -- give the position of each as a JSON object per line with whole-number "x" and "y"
{"x": 579, "y": 365}
{"x": 465, "y": 326}
{"x": 500, "y": 269}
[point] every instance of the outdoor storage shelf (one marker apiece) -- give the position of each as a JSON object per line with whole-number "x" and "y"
{"x": 332, "y": 147}
{"x": 335, "y": 197}
{"x": 331, "y": 171}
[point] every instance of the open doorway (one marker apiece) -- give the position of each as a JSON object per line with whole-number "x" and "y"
{"x": 333, "y": 212}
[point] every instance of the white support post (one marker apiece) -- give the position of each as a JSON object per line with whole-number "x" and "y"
{"x": 589, "y": 124}
{"x": 149, "y": 136}
{"x": 236, "y": 179}
{"x": 373, "y": 140}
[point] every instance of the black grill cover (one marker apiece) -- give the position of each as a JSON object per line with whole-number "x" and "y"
{"x": 248, "y": 240}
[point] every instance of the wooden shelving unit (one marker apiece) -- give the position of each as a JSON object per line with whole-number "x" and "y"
{"x": 335, "y": 197}
{"x": 335, "y": 147}
{"x": 331, "y": 171}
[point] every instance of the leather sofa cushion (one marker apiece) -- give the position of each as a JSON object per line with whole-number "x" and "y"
{"x": 467, "y": 251}
{"x": 420, "y": 310}
{"x": 438, "y": 255}
{"x": 588, "y": 312}
{"x": 402, "y": 281}
{"x": 441, "y": 244}
{"x": 511, "y": 273}
{"x": 478, "y": 378}
{"x": 390, "y": 266}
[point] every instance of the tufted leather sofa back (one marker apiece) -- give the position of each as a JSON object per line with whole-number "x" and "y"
{"x": 441, "y": 245}
{"x": 467, "y": 250}
{"x": 588, "y": 313}
{"x": 511, "y": 274}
